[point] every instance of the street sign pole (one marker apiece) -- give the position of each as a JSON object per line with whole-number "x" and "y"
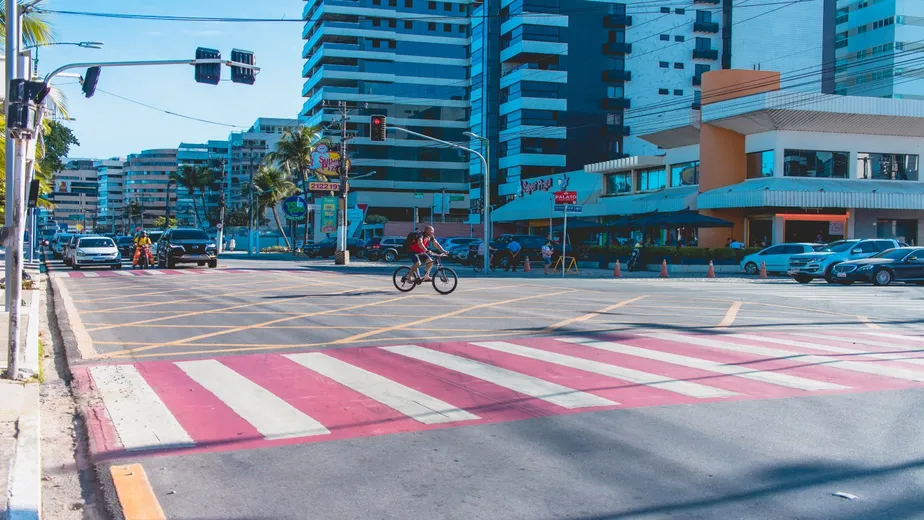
{"x": 564, "y": 241}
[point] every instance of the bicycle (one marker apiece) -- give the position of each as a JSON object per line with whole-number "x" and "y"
{"x": 478, "y": 264}
{"x": 405, "y": 281}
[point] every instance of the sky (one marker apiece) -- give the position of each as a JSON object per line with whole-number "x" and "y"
{"x": 107, "y": 126}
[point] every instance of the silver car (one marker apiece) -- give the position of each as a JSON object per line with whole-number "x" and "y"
{"x": 91, "y": 251}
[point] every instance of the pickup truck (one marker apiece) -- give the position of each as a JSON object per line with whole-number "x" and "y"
{"x": 805, "y": 267}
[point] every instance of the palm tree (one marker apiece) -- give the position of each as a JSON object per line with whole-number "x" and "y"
{"x": 194, "y": 178}
{"x": 272, "y": 186}
{"x": 293, "y": 152}
{"x": 35, "y": 28}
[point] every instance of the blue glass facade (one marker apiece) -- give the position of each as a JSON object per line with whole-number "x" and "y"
{"x": 405, "y": 59}
{"x": 547, "y": 88}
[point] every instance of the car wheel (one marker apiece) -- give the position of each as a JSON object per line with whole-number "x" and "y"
{"x": 390, "y": 256}
{"x": 161, "y": 263}
{"x": 201, "y": 264}
{"x": 213, "y": 264}
{"x": 882, "y": 277}
{"x": 829, "y": 275}
{"x": 802, "y": 278}
{"x": 750, "y": 268}
{"x": 170, "y": 264}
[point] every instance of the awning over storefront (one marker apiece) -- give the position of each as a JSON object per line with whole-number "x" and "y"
{"x": 669, "y": 199}
{"x": 538, "y": 205}
{"x": 791, "y": 192}
{"x": 673, "y": 219}
{"x": 579, "y": 223}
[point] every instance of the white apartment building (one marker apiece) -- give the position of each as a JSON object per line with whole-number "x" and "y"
{"x": 75, "y": 195}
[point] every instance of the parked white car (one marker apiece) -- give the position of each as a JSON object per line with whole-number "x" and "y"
{"x": 96, "y": 251}
{"x": 819, "y": 264}
{"x": 776, "y": 257}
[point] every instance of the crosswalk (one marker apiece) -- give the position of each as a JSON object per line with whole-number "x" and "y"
{"x": 249, "y": 401}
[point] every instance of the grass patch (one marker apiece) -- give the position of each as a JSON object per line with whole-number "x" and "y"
{"x": 41, "y": 357}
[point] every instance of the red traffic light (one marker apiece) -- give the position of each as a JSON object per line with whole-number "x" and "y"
{"x": 377, "y": 128}
{"x": 376, "y": 121}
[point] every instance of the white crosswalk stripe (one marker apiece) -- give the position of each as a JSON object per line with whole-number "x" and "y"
{"x": 625, "y": 374}
{"x": 869, "y": 368}
{"x": 270, "y": 415}
{"x": 773, "y": 378}
{"x": 532, "y": 386}
{"x": 125, "y": 393}
{"x": 417, "y": 405}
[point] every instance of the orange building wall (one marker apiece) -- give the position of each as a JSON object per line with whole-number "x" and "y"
{"x": 722, "y": 153}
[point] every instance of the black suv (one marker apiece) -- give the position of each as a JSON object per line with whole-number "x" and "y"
{"x": 329, "y": 247}
{"x": 186, "y": 246}
{"x": 389, "y": 249}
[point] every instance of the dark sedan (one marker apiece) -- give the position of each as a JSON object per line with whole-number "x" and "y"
{"x": 329, "y": 247}
{"x": 901, "y": 264}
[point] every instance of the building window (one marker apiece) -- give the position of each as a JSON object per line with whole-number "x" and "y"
{"x": 447, "y": 27}
{"x": 685, "y": 174}
{"x": 376, "y": 22}
{"x": 664, "y": 64}
{"x": 678, "y": 38}
{"x": 376, "y": 2}
{"x": 678, "y": 65}
{"x": 392, "y": 3}
{"x": 815, "y": 163}
{"x": 619, "y": 183}
{"x": 392, "y": 23}
{"x": 408, "y": 25}
{"x": 700, "y": 69}
{"x": 447, "y": 6}
{"x": 663, "y": 91}
{"x": 431, "y": 26}
{"x": 680, "y": 11}
{"x": 665, "y": 37}
{"x": 614, "y": 118}
{"x": 431, "y": 6}
{"x": 653, "y": 179}
{"x": 703, "y": 17}
{"x": 392, "y": 44}
{"x": 888, "y": 166}
{"x": 615, "y": 92}
{"x": 703, "y": 44}
{"x": 678, "y": 92}
{"x": 666, "y": 10}
{"x": 461, "y": 28}
{"x": 760, "y": 164}
{"x": 408, "y": 3}
{"x": 461, "y": 8}
{"x": 902, "y": 230}
{"x": 376, "y": 43}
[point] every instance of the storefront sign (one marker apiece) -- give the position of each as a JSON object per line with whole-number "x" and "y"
{"x": 295, "y": 208}
{"x": 565, "y": 197}
{"x": 325, "y": 161}
{"x": 323, "y": 186}
{"x": 528, "y": 187}
{"x": 328, "y": 214}
{"x": 836, "y": 228}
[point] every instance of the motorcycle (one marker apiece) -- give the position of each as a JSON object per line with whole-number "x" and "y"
{"x": 143, "y": 257}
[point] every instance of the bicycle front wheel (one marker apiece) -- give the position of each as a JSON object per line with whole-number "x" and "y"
{"x": 403, "y": 280}
{"x": 445, "y": 280}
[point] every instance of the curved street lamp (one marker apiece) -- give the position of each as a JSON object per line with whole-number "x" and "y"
{"x": 85, "y": 45}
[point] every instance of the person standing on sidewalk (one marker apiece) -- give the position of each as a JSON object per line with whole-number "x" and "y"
{"x": 547, "y": 256}
{"x": 513, "y": 250}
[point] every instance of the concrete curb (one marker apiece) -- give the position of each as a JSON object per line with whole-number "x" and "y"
{"x": 24, "y": 489}
{"x": 30, "y": 364}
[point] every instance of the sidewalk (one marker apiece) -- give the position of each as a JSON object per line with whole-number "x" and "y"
{"x": 20, "y": 464}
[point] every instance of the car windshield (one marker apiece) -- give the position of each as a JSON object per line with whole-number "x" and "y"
{"x": 125, "y": 240}
{"x": 894, "y": 254}
{"x": 95, "y": 242}
{"x": 191, "y": 234}
{"x": 837, "y": 247}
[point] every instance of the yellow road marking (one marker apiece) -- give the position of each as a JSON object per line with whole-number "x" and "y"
{"x": 245, "y": 347}
{"x": 250, "y": 327}
{"x": 588, "y": 316}
{"x": 447, "y": 315}
{"x": 157, "y": 293}
{"x": 135, "y": 494}
{"x": 730, "y": 315}
{"x": 866, "y": 321}
{"x": 83, "y": 338}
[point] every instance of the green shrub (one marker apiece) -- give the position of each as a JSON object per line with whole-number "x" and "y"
{"x": 275, "y": 249}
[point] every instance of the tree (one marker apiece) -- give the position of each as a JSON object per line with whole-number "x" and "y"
{"x": 161, "y": 221}
{"x": 194, "y": 179}
{"x": 58, "y": 141}
{"x": 293, "y": 152}
{"x": 272, "y": 186}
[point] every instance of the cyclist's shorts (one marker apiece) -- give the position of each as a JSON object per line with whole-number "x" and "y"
{"x": 420, "y": 258}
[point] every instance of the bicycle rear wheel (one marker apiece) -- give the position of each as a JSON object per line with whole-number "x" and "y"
{"x": 403, "y": 280}
{"x": 445, "y": 280}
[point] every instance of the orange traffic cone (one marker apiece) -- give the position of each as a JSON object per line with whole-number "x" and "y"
{"x": 711, "y": 272}
{"x": 617, "y": 272}
{"x": 763, "y": 269}
{"x": 663, "y": 268}
{"x": 526, "y": 267}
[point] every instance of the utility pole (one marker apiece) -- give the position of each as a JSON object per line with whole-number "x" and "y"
{"x": 342, "y": 256}
{"x": 221, "y": 208}
{"x": 12, "y": 72}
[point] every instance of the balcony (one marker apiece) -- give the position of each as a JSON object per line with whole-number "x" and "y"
{"x": 615, "y": 76}
{"x": 696, "y": 105}
{"x": 697, "y": 81}
{"x": 705, "y": 54}
{"x": 617, "y": 48}
{"x": 713, "y": 2}
{"x": 706, "y": 27}
{"x": 615, "y": 21}
{"x": 616, "y": 130}
{"x": 616, "y": 103}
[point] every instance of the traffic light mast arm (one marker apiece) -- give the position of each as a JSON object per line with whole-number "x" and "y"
{"x": 149, "y": 63}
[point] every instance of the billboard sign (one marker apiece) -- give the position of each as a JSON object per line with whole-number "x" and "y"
{"x": 295, "y": 207}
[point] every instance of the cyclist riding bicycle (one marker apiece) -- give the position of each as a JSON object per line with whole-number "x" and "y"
{"x": 420, "y": 251}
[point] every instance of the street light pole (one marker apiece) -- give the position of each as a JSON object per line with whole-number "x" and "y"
{"x": 484, "y": 162}
{"x": 486, "y": 195}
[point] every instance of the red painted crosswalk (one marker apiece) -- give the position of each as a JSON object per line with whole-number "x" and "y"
{"x": 248, "y": 401}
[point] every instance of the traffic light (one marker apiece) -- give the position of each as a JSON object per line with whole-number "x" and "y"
{"x": 241, "y": 74}
{"x": 90, "y": 81}
{"x": 208, "y": 73}
{"x": 33, "y": 192}
{"x": 377, "y": 128}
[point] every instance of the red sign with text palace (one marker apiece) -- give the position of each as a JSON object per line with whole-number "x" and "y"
{"x": 565, "y": 197}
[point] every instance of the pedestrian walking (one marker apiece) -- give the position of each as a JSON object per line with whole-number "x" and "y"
{"x": 231, "y": 244}
{"x": 547, "y": 256}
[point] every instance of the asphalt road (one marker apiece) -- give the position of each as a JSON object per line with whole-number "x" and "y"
{"x": 295, "y": 390}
